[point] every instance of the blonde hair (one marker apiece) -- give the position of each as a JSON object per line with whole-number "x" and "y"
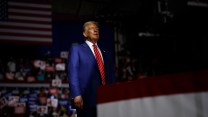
{"x": 88, "y": 23}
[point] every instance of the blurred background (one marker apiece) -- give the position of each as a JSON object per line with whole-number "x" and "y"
{"x": 146, "y": 37}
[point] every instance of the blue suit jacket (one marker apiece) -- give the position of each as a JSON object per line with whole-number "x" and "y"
{"x": 83, "y": 73}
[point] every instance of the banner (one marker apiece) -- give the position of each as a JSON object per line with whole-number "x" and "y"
{"x": 175, "y": 95}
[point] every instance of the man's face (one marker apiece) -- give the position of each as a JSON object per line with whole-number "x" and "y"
{"x": 91, "y": 32}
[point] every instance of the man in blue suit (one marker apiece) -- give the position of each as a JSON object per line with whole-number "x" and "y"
{"x": 83, "y": 71}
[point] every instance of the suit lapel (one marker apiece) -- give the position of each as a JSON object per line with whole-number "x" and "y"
{"x": 92, "y": 57}
{"x": 89, "y": 53}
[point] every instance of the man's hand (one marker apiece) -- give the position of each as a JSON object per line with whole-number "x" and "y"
{"x": 78, "y": 102}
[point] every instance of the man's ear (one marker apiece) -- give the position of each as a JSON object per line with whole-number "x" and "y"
{"x": 84, "y": 34}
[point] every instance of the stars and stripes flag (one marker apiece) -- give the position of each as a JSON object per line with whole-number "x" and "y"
{"x": 27, "y": 21}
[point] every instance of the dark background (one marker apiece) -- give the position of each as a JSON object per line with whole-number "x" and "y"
{"x": 179, "y": 37}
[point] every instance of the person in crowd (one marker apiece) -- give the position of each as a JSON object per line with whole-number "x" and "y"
{"x": 89, "y": 66}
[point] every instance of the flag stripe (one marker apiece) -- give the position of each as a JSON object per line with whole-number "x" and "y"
{"x": 178, "y": 105}
{"x": 29, "y": 15}
{"x": 25, "y": 35}
{"x": 33, "y": 25}
{"x": 26, "y": 28}
{"x": 28, "y": 11}
{"x": 32, "y": 5}
{"x": 45, "y": 42}
{"x": 30, "y": 8}
{"x": 31, "y": 22}
{"x": 158, "y": 85}
{"x": 27, "y": 21}
{"x": 25, "y": 38}
{"x": 29, "y": 18}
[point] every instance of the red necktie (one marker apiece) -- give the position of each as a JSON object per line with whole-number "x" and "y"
{"x": 100, "y": 63}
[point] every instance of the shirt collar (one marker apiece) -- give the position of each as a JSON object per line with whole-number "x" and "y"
{"x": 90, "y": 43}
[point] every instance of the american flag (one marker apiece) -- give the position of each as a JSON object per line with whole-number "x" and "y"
{"x": 26, "y": 21}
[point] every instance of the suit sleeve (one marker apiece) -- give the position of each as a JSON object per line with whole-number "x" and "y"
{"x": 73, "y": 78}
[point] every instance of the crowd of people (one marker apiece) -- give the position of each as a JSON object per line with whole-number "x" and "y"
{"x": 54, "y": 100}
{"x": 42, "y": 101}
{"x": 35, "y": 101}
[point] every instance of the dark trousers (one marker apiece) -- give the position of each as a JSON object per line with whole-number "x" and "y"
{"x": 87, "y": 112}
